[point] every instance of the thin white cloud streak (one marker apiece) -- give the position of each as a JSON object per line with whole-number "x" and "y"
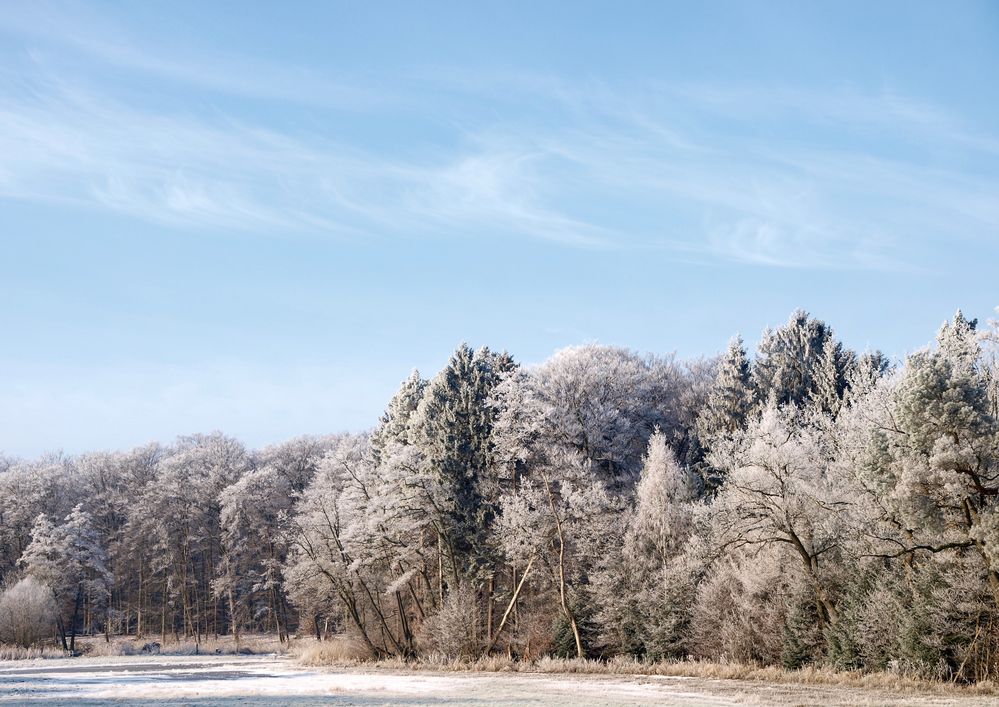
{"x": 585, "y": 165}
{"x": 95, "y": 38}
{"x": 799, "y": 203}
{"x": 80, "y": 148}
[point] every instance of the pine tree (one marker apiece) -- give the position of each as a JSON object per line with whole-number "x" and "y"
{"x": 958, "y": 342}
{"x": 665, "y": 496}
{"x": 452, "y": 429}
{"x": 830, "y": 380}
{"x": 730, "y": 399}
{"x": 802, "y": 639}
{"x": 651, "y": 596}
{"x": 393, "y": 426}
{"x": 727, "y": 408}
{"x": 789, "y": 360}
{"x": 864, "y": 374}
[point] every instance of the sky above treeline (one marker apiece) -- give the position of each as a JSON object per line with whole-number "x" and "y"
{"x": 259, "y": 217}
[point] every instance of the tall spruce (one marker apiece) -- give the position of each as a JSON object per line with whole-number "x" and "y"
{"x": 394, "y": 424}
{"x": 727, "y": 408}
{"x": 829, "y": 389}
{"x": 731, "y": 396}
{"x": 958, "y": 341}
{"x": 792, "y": 361}
{"x": 864, "y": 374}
{"x": 452, "y": 428}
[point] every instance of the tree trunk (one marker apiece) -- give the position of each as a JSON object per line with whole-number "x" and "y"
{"x": 407, "y": 636}
{"x": 138, "y": 614}
{"x": 72, "y": 626}
{"x": 489, "y": 609}
{"x": 232, "y": 617}
{"x": 512, "y": 604}
{"x": 563, "y": 599}
{"x": 580, "y": 653}
{"x": 62, "y": 631}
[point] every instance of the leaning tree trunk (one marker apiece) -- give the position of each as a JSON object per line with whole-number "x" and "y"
{"x": 513, "y": 603}
{"x": 563, "y": 598}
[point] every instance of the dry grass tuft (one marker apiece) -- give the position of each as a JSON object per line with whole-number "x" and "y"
{"x": 19, "y": 653}
{"x": 334, "y": 651}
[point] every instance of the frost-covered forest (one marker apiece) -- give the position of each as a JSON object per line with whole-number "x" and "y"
{"x": 800, "y": 504}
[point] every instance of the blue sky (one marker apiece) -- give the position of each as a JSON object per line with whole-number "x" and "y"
{"x": 259, "y": 217}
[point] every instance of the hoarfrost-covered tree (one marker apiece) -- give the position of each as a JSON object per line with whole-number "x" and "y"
{"x": 452, "y": 429}
{"x": 563, "y": 517}
{"x": 320, "y": 568}
{"x": 335, "y": 562}
{"x": 394, "y": 424}
{"x": 847, "y": 516}
{"x": 779, "y": 491}
{"x": 731, "y": 398}
{"x": 70, "y": 560}
{"x": 798, "y": 362}
{"x": 648, "y": 594}
{"x": 28, "y": 488}
{"x": 869, "y": 368}
{"x": 932, "y": 462}
{"x": 599, "y": 402}
{"x": 831, "y": 379}
{"x": 664, "y": 512}
{"x": 297, "y": 459}
{"x": 958, "y": 342}
{"x": 253, "y": 516}
{"x": 729, "y": 403}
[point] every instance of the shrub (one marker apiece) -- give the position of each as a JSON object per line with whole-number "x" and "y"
{"x": 451, "y": 632}
{"x": 27, "y": 609}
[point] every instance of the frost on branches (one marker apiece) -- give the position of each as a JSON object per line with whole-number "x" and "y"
{"x": 800, "y": 504}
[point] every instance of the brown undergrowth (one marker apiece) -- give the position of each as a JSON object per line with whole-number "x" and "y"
{"x": 97, "y": 646}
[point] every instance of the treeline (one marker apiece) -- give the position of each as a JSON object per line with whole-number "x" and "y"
{"x": 808, "y": 505}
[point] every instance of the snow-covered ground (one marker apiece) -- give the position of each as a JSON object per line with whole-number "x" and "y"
{"x": 269, "y": 680}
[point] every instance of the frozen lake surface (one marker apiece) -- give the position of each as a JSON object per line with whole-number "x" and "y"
{"x": 269, "y": 680}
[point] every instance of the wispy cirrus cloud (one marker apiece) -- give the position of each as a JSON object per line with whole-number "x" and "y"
{"x": 774, "y": 176}
{"x": 67, "y": 34}
{"x": 86, "y": 149}
{"x": 80, "y": 146}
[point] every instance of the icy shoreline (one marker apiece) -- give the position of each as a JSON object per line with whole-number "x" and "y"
{"x": 271, "y": 680}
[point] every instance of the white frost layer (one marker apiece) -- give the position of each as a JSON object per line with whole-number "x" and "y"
{"x": 212, "y": 677}
{"x": 273, "y": 680}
